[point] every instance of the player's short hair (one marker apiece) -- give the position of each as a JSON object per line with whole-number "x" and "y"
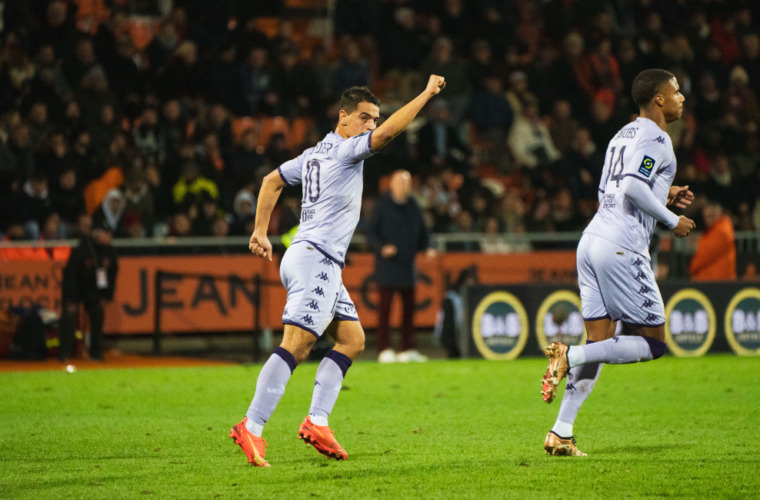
{"x": 351, "y": 97}
{"x": 647, "y": 84}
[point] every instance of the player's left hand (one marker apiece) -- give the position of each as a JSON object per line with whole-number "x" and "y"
{"x": 680, "y": 196}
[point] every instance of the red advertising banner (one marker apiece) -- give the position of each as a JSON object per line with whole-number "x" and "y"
{"x": 217, "y": 293}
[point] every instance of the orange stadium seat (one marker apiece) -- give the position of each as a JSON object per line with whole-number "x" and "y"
{"x": 271, "y": 125}
{"x": 298, "y": 128}
{"x": 241, "y": 124}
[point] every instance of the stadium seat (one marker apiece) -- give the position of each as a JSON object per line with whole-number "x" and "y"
{"x": 271, "y": 125}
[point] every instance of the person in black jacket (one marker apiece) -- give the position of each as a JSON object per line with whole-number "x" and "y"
{"x": 89, "y": 278}
{"x": 397, "y": 231}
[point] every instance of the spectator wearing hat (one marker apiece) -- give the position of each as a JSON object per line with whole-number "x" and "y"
{"x": 89, "y": 280}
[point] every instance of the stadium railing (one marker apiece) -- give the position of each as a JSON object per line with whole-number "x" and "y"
{"x": 677, "y": 255}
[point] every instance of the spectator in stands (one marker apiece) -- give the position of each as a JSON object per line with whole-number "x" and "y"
{"x": 245, "y": 159}
{"x": 112, "y": 209}
{"x": 715, "y": 256}
{"x": 191, "y": 182}
{"x": 294, "y": 83}
{"x": 400, "y": 45}
{"x": 21, "y": 152}
{"x": 562, "y": 126}
{"x": 82, "y": 61}
{"x": 105, "y": 129}
{"x": 397, "y": 232}
{"x": 39, "y": 125}
{"x": 351, "y": 68}
{"x": 139, "y": 199}
{"x": 36, "y": 204}
{"x": 53, "y": 155}
{"x": 444, "y": 61}
{"x": 492, "y": 116}
{"x": 438, "y": 141}
{"x": 66, "y": 196}
{"x": 209, "y": 212}
{"x": 243, "y": 213}
{"x": 88, "y": 164}
{"x": 256, "y": 82}
{"x": 89, "y": 279}
{"x": 531, "y": 143}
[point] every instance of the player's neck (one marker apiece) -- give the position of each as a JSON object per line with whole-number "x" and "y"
{"x": 341, "y": 131}
{"x": 655, "y": 115}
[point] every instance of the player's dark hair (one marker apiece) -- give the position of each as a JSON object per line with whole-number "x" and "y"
{"x": 351, "y": 97}
{"x": 647, "y": 84}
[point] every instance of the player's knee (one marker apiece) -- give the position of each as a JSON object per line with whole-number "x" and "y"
{"x": 657, "y": 347}
{"x": 353, "y": 349}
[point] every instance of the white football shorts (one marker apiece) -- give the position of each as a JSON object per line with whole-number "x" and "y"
{"x": 316, "y": 293}
{"x": 617, "y": 283}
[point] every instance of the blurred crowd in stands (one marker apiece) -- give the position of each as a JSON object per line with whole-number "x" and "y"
{"x": 164, "y": 115}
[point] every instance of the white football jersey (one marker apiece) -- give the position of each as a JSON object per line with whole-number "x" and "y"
{"x": 641, "y": 150}
{"x": 331, "y": 177}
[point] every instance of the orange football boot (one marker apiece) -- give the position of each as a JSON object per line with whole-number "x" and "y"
{"x": 322, "y": 439}
{"x": 254, "y": 447}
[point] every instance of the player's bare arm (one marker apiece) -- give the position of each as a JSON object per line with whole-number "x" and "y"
{"x": 398, "y": 121}
{"x": 680, "y": 196}
{"x": 271, "y": 187}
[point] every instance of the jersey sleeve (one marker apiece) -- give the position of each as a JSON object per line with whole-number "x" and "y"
{"x": 290, "y": 171}
{"x": 356, "y": 148}
{"x": 651, "y": 155}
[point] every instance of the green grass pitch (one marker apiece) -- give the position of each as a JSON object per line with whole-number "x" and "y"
{"x": 684, "y": 428}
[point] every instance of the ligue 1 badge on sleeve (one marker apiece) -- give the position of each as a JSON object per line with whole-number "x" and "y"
{"x": 559, "y": 319}
{"x": 690, "y": 323}
{"x": 742, "y": 322}
{"x": 500, "y": 326}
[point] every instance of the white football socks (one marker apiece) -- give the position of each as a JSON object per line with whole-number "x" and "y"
{"x": 615, "y": 351}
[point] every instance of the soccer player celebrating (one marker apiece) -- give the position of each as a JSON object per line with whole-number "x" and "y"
{"x": 331, "y": 177}
{"x": 614, "y": 267}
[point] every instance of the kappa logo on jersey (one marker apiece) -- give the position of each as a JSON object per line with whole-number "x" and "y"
{"x": 313, "y": 304}
{"x": 318, "y": 290}
{"x": 637, "y": 262}
{"x": 660, "y": 139}
{"x": 640, "y": 275}
{"x": 323, "y": 277}
{"x": 647, "y": 165}
{"x": 647, "y": 303}
{"x": 326, "y": 262}
{"x": 644, "y": 289}
{"x": 650, "y": 317}
{"x": 307, "y": 319}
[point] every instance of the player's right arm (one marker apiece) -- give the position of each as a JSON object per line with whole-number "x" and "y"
{"x": 398, "y": 121}
{"x": 639, "y": 193}
{"x": 271, "y": 187}
{"x": 635, "y": 185}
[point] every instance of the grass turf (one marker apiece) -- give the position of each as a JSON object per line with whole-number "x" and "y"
{"x": 444, "y": 429}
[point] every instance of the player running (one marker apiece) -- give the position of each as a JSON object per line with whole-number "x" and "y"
{"x": 614, "y": 267}
{"x": 331, "y": 177}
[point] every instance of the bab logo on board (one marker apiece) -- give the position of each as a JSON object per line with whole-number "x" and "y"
{"x": 742, "y": 322}
{"x": 559, "y": 319}
{"x": 500, "y": 326}
{"x": 690, "y": 323}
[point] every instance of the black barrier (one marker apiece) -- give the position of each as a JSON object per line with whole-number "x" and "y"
{"x": 506, "y": 321}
